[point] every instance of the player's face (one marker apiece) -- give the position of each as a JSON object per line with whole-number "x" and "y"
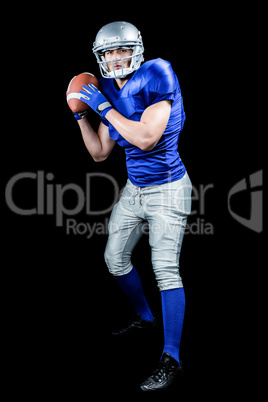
{"x": 111, "y": 55}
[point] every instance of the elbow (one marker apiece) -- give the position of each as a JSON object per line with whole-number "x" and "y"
{"x": 148, "y": 141}
{"x": 99, "y": 158}
{"x": 147, "y": 145}
{"x": 146, "y": 148}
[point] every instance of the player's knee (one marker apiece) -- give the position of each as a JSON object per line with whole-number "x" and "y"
{"x": 109, "y": 259}
{"x": 117, "y": 263}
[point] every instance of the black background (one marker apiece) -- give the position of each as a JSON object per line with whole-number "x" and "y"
{"x": 60, "y": 303}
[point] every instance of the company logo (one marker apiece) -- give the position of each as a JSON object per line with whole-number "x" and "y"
{"x": 251, "y": 186}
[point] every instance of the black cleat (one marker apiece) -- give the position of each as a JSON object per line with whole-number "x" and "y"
{"x": 137, "y": 326}
{"x": 165, "y": 374}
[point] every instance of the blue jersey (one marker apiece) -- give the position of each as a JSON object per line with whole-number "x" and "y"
{"x": 153, "y": 82}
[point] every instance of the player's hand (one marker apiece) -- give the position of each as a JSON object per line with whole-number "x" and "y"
{"x": 95, "y": 99}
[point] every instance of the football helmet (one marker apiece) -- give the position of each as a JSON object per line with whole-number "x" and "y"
{"x": 116, "y": 35}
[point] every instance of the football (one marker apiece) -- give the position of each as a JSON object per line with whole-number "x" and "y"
{"x": 75, "y": 85}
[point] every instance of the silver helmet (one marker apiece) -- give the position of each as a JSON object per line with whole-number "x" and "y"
{"x": 116, "y": 35}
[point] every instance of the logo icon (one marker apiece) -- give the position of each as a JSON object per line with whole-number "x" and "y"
{"x": 253, "y": 184}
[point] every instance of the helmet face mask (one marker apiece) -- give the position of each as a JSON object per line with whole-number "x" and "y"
{"x": 109, "y": 68}
{"x": 118, "y": 35}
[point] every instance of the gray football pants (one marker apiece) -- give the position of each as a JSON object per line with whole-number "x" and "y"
{"x": 165, "y": 207}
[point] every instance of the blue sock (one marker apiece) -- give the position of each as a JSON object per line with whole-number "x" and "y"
{"x": 173, "y": 306}
{"x": 131, "y": 285}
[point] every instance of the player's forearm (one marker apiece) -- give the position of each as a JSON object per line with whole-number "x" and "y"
{"x": 91, "y": 140}
{"x": 137, "y": 133}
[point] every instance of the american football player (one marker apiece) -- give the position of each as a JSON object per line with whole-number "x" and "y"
{"x": 141, "y": 109}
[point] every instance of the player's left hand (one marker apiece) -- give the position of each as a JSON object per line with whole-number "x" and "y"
{"x": 95, "y": 99}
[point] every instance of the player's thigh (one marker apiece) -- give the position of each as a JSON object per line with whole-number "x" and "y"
{"x": 166, "y": 236}
{"x": 168, "y": 217}
{"x": 124, "y": 227}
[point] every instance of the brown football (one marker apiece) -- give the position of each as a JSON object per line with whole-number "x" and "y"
{"x": 73, "y": 95}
